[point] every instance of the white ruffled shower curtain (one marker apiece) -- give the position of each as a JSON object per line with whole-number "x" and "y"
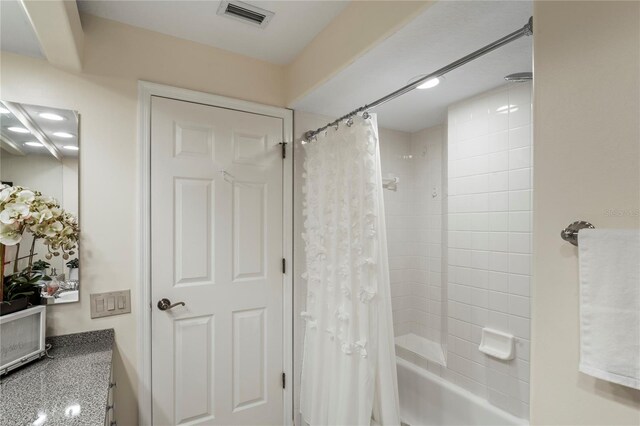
{"x": 348, "y": 369}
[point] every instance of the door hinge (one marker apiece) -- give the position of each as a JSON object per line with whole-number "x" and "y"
{"x": 284, "y": 380}
{"x": 284, "y": 265}
{"x": 283, "y": 145}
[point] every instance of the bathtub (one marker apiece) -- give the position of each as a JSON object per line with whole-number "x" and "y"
{"x": 426, "y": 399}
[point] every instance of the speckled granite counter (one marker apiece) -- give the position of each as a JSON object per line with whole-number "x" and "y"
{"x": 70, "y": 389}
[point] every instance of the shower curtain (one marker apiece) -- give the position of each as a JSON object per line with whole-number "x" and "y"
{"x": 348, "y": 368}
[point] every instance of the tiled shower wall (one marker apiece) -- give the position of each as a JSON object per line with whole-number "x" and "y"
{"x": 489, "y": 241}
{"x": 414, "y": 230}
{"x": 426, "y": 205}
{"x": 395, "y": 155}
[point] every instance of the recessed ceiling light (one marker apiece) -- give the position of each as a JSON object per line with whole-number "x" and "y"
{"x": 71, "y": 147}
{"x": 432, "y": 82}
{"x": 18, "y": 129}
{"x": 63, "y": 135}
{"x": 4, "y": 110}
{"x": 51, "y": 116}
{"x": 38, "y": 144}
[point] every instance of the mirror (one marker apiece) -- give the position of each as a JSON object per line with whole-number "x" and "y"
{"x": 39, "y": 159}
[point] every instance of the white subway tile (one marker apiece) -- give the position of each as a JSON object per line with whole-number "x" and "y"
{"x": 489, "y": 240}
{"x": 519, "y": 284}
{"x": 479, "y": 278}
{"x": 479, "y": 316}
{"x": 498, "y": 381}
{"x": 520, "y": 370}
{"x": 498, "y": 261}
{"x": 519, "y": 179}
{"x": 479, "y": 297}
{"x": 519, "y": 200}
{"x": 519, "y": 242}
{"x": 519, "y": 158}
{"x": 499, "y": 161}
{"x": 520, "y": 221}
{"x": 479, "y": 221}
{"x": 498, "y": 301}
{"x": 499, "y": 281}
{"x": 499, "y": 201}
{"x": 498, "y": 221}
{"x": 519, "y": 137}
{"x": 498, "y": 321}
{"x": 479, "y": 259}
{"x": 498, "y": 141}
{"x": 479, "y": 240}
{"x": 498, "y": 241}
{"x": 519, "y": 326}
{"x": 498, "y": 181}
{"x": 520, "y": 263}
{"x": 520, "y": 306}
{"x": 498, "y": 120}
{"x": 523, "y": 349}
{"x": 520, "y": 113}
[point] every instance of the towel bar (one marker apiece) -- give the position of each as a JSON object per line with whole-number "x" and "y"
{"x": 570, "y": 233}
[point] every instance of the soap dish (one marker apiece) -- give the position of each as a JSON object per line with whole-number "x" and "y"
{"x": 497, "y": 344}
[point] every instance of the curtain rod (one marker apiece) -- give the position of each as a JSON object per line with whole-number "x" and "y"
{"x": 526, "y": 30}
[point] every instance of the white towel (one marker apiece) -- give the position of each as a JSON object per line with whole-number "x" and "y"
{"x": 610, "y": 304}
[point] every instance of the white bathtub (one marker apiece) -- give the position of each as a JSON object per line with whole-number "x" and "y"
{"x": 426, "y": 399}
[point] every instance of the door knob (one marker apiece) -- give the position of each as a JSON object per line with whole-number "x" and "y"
{"x": 165, "y": 304}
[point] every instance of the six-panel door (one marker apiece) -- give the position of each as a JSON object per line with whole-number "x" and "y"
{"x": 216, "y": 245}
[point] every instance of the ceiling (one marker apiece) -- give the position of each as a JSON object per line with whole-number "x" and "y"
{"x": 16, "y": 32}
{"x": 47, "y": 128}
{"x": 443, "y": 33}
{"x": 294, "y": 25}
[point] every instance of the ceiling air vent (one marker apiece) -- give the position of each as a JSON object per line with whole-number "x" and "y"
{"x": 245, "y": 12}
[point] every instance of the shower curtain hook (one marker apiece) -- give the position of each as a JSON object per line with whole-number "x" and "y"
{"x": 349, "y": 121}
{"x": 365, "y": 115}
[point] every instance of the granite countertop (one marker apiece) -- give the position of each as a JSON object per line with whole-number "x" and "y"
{"x": 70, "y": 389}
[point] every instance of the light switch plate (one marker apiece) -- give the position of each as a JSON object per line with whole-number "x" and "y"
{"x": 112, "y": 303}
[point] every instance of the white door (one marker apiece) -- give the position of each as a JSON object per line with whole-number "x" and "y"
{"x": 216, "y": 246}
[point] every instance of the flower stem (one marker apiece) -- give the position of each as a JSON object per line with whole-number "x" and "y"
{"x": 33, "y": 246}
{"x": 15, "y": 260}
{"x": 2, "y": 247}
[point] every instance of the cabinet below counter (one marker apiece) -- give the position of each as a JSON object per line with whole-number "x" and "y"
{"x": 71, "y": 388}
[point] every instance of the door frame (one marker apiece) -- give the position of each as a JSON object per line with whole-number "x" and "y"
{"x": 144, "y": 304}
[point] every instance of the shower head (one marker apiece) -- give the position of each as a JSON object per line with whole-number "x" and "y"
{"x": 519, "y": 77}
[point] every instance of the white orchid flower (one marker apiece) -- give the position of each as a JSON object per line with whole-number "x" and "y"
{"x": 42, "y": 215}
{"x": 14, "y": 212}
{"x": 47, "y": 229}
{"x": 52, "y": 229}
{"x": 5, "y": 193}
{"x": 25, "y": 196}
{"x": 10, "y": 235}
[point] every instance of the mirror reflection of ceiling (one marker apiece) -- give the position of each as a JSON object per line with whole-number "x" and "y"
{"x": 37, "y": 130}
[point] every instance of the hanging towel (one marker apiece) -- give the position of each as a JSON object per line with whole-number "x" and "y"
{"x": 610, "y": 305}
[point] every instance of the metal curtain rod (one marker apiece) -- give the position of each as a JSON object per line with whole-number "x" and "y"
{"x": 526, "y": 30}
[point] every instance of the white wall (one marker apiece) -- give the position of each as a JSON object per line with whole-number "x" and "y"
{"x": 587, "y": 158}
{"x": 105, "y": 94}
{"x": 489, "y": 240}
